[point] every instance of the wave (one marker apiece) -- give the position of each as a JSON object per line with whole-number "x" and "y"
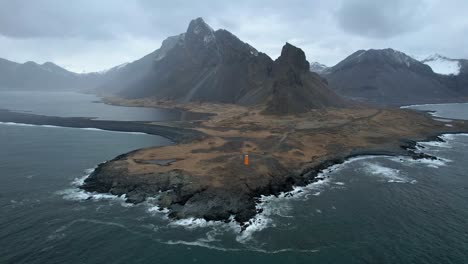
{"x": 417, "y": 105}
{"x": 82, "y": 128}
{"x": 385, "y": 173}
{"x": 272, "y": 207}
{"x": 206, "y": 245}
{"x": 77, "y": 194}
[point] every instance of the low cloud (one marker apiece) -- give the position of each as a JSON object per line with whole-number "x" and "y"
{"x": 94, "y": 35}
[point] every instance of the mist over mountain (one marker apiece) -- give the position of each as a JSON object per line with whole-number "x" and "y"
{"x": 45, "y": 77}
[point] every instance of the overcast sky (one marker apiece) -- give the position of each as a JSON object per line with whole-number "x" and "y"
{"x": 91, "y": 35}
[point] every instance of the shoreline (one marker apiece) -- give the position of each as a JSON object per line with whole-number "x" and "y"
{"x": 204, "y": 177}
{"x": 407, "y": 150}
{"x": 175, "y": 134}
{"x": 215, "y": 187}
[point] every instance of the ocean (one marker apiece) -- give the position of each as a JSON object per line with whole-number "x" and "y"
{"x": 371, "y": 209}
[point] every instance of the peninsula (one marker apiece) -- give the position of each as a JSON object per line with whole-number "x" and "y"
{"x": 284, "y": 117}
{"x": 206, "y": 178}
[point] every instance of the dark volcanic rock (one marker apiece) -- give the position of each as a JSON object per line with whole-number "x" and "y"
{"x": 186, "y": 197}
{"x": 295, "y": 89}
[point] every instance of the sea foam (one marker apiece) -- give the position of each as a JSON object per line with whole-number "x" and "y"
{"x": 81, "y": 128}
{"x": 77, "y": 194}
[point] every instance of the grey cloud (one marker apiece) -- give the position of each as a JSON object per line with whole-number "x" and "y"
{"x": 381, "y": 19}
{"x": 70, "y": 19}
{"x": 97, "y": 34}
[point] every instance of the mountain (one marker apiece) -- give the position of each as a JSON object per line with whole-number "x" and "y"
{"x": 295, "y": 89}
{"x": 199, "y": 65}
{"x": 318, "y": 68}
{"x": 388, "y": 77}
{"x": 204, "y": 65}
{"x": 47, "y": 76}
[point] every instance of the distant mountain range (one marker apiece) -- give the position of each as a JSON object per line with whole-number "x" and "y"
{"x": 47, "y": 76}
{"x": 209, "y": 65}
{"x": 390, "y": 77}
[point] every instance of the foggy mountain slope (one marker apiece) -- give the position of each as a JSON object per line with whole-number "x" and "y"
{"x": 203, "y": 65}
{"x": 33, "y": 76}
{"x": 47, "y": 77}
{"x": 120, "y": 77}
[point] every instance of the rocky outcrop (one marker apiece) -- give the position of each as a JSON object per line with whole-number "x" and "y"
{"x": 295, "y": 89}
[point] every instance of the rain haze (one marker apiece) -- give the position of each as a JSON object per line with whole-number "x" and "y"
{"x": 86, "y": 36}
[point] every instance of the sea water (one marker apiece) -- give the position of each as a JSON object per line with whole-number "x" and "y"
{"x": 370, "y": 209}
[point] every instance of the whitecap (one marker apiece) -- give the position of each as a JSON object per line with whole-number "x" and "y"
{"x": 432, "y": 163}
{"x": 15, "y": 124}
{"x": 84, "y": 128}
{"x": 77, "y": 194}
{"x": 389, "y": 174}
{"x": 111, "y": 131}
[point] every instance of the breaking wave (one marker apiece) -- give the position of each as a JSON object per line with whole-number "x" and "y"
{"x": 211, "y": 234}
{"x": 82, "y": 128}
{"x": 77, "y": 194}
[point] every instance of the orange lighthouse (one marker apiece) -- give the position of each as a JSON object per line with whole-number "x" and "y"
{"x": 246, "y": 160}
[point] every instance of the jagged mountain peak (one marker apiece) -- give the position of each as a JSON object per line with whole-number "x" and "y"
{"x": 293, "y": 57}
{"x": 203, "y": 65}
{"x": 198, "y": 26}
{"x": 199, "y": 35}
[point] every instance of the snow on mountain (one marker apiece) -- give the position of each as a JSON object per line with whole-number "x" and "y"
{"x": 442, "y": 65}
{"x": 318, "y": 67}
